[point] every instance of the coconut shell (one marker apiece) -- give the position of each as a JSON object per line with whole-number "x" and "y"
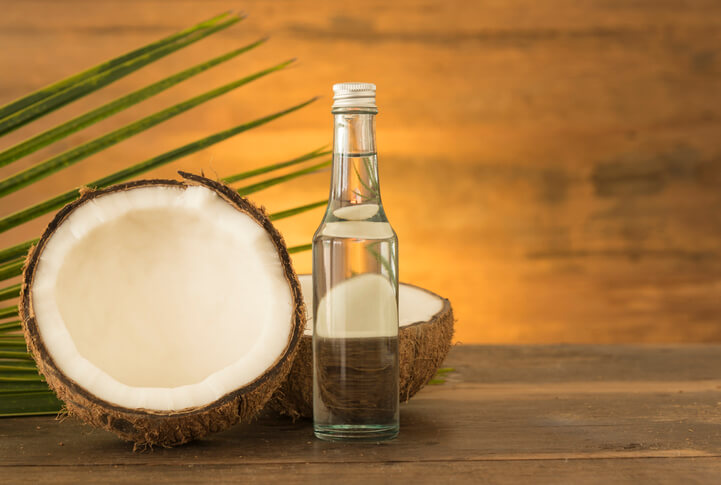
{"x": 147, "y": 428}
{"x": 422, "y": 347}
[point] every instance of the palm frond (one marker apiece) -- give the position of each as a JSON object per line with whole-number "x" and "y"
{"x": 318, "y": 152}
{"x": 11, "y": 311}
{"x": 29, "y": 403}
{"x": 300, "y": 248}
{"x": 50, "y": 103}
{"x": 16, "y": 387}
{"x": 11, "y": 269}
{"x": 249, "y": 189}
{"x": 12, "y": 343}
{"x": 69, "y": 127}
{"x": 14, "y": 355}
{"x": 70, "y": 157}
{"x": 17, "y": 365}
{"x": 9, "y": 293}
{"x": 10, "y": 326}
{"x": 64, "y": 84}
{"x": 21, "y": 250}
{"x": 22, "y": 216}
{"x": 297, "y": 210}
{"x": 15, "y": 251}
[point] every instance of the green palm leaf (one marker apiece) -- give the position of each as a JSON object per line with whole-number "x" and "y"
{"x": 26, "y": 377}
{"x": 10, "y": 326}
{"x": 70, "y": 157}
{"x": 15, "y": 355}
{"x": 16, "y": 251}
{"x": 62, "y": 85}
{"x": 18, "y": 366}
{"x": 8, "y": 312}
{"x": 11, "y": 343}
{"x": 61, "y": 131}
{"x": 297, "y": 210}
{"x": 249, "y": 189}
{"x": 11, "y": 269}
{"x": 50, "y": 103}
{"x": 300, "y": 248}
{"x": 29, "y": 403}
{"x": 22, "y": 387}
{"x": 21, "y": 250}
{"x": 56, "y": 202}
{"x": 319, "y": 152}
{"x": 22, "y": 390}
{"x": 8, "y": 293}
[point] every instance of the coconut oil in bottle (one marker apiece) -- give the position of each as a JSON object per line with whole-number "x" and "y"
{"x": 355, "y": 286}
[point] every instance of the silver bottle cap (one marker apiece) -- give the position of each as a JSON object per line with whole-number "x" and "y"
{"x": 354, "y": 95}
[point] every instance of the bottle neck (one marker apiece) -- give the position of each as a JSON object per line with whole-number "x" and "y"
{"x": 355, "y": 165}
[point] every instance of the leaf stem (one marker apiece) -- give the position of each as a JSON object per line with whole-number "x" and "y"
{"x": 318, "y": 152}
{"x": 15, "y": 354}
{"x": 10, "y": 292}
{"x": 17, "y": 250}
{"x": 12, "y": 268}
{"x": 10, "y": 326}
{"x": 300, "y": 248}
{"x": 249, "y": 189}
{"x": 297, "y": 210}
{"x": 29, "y": 404}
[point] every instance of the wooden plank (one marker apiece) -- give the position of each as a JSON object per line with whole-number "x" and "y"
{"x": 596, "y": 364}
{"x": 468, "y": 424}
{"x": 560, "y": 161}
{"x": 602, "y": 472}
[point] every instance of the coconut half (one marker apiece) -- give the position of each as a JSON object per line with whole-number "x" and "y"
{"x": 162, "y": 310}
{"x": 424, "y": 339}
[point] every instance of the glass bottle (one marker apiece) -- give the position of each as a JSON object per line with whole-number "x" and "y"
{"x": 355, "y": 286}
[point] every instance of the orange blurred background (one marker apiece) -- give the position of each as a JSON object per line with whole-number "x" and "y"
{"x": 553, "y": 168}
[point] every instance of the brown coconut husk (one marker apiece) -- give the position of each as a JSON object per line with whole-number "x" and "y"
{"x": 422, "y": 347}
{"x": 144, "y": 427}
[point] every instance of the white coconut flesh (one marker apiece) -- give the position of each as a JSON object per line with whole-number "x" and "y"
{"x": 414, "y": 304}
{"x": 161, "y": 298}
{"x": 356, "y": 212}
{"x": 360, "y": 307}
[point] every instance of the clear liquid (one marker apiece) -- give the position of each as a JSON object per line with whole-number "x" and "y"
{"x": 356, "y": 388}
{"x": 355, "y": 334}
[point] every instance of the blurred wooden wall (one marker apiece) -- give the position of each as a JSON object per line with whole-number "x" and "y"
{"x": 554, "y": 168}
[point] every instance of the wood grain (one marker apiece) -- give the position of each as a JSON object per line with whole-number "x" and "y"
{"x": 551, "y": 167}
{"x": 551, "y": 414}
{"x": 572, "y": 472}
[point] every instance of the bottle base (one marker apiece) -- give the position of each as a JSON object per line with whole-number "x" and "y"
{"x": 367, "y": 432}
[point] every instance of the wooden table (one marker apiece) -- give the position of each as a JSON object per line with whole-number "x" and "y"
{"x": 510, "y": 414}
